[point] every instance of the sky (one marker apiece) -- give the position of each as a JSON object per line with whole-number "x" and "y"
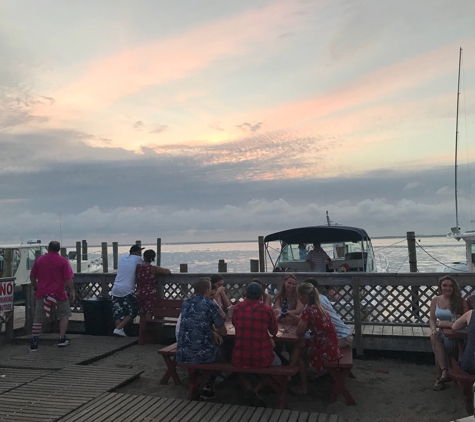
{"x": 216, "y": 121}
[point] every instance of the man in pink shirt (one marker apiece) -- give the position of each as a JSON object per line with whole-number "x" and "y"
{"x": 49, "y": 276}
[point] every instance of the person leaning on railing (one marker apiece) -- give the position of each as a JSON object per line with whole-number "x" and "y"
{"x": 444, "y": 309}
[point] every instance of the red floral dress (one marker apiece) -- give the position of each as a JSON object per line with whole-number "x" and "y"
{"x": 323, "y": 343}
{"x": 146, "y": 290}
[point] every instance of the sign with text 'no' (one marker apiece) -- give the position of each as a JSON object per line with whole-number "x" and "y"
{"x": 6, "y": 296}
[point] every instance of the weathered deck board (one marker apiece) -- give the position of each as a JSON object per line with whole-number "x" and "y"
{"x": 13, "y": 378}
{"x": 32, "y": 401}
{"x": 120, "y": 407}
{"x": 82, "y": 350}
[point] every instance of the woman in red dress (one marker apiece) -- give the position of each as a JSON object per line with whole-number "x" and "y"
{"x": 319, "y": 342}
{"x": 146, "y": 287}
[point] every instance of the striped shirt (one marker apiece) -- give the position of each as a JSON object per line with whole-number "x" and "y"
{"x": 318, "y": 260}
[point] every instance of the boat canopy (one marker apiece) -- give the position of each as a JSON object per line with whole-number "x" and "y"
{"x": 322, "y": 234}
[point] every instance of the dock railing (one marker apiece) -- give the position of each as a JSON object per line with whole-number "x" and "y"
{"x": 359, "y": 298}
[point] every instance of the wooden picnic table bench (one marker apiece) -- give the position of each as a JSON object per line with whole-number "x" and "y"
{"x": 275, "y": 376}
{"x": 340, "y": 370}
{"x": 166, "y": 311}
{"x": 465, "y": 382}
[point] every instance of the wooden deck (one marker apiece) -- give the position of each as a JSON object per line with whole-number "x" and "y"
{"x": 116, "y": 407}
{"x": 53, "y": 395}
{"x": 82, "y": 350}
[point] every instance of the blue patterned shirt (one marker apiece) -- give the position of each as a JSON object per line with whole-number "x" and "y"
{"x": 198, "y": 314}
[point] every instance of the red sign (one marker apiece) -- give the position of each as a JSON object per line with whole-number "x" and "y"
{"x": 6, "y": 296}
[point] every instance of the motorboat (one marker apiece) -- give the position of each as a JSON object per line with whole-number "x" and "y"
{"x": 349, "y": 248}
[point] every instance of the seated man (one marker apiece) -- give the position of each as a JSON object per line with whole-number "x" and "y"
{"x": 467, "y": 320}
{"x": 343, "y": 332}
{"x": 253, "y": 322}
{"x": 201, "y": 331}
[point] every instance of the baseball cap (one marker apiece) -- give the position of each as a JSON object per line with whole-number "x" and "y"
{"x": 254, "y": 291}
{"x": 135, "y": 248}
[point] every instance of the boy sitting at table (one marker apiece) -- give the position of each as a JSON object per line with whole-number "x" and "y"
{"x": 253, "y": 322}
{"x": 201, "y": 330}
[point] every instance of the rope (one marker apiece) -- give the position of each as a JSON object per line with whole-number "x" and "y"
{"x": 407, "y": 256}
{"x": 389, "y": 246}
{"x": 435, "y": 259}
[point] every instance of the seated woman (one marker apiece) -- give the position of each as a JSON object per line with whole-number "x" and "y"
{"x": 265, "y": 298}
{"x": 287, "y": 298}
{"x": 444, "y": 309}
{"x": 467, "y": 361}
{"x": 322, "y": 343}
{"x": 146, "y": 287}
{"x": 217, "y": 284}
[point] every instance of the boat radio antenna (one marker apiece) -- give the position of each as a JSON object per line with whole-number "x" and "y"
{"x": 456, "y": 145}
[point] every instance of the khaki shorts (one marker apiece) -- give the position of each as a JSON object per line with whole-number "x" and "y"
{"x": 63, "y": 310}
{"x": 345, "y": 342}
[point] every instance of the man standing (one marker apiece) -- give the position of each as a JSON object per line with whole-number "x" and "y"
{"x": 253, "y": 322}
{"x": 124, "y": 303}
{"x": 318, "y": 259}
{"x": 49, "y": 276}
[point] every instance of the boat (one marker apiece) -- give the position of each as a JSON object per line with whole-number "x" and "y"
{"x": 349, "y": 248}
{"x": 455, "y": 232}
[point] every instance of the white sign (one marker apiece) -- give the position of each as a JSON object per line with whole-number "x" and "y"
{"x": 6, "y": 296}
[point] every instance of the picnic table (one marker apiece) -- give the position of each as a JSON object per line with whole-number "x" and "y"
{"x": 286, "y": 334}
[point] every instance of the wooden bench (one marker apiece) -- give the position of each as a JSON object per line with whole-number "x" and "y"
{"x": 169, "y": 356}
{"x": 274, "y": 376}
{"x": 465, "y": 382}
{"x": 340, "y": 370}
{"x": 163, "y": 311}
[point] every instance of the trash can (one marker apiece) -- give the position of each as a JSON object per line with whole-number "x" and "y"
{"x": 98, "y": 320}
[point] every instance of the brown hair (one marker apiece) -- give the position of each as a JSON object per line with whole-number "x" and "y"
{"x": 282, "y": 294}
{"x": 202, "y": 285}
{"x": 456, "y": 301}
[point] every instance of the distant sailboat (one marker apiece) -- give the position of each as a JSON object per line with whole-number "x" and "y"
{"x": 455, "y": 233}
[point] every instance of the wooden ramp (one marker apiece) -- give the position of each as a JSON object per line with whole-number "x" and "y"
{"x": 117, "y": 407}
{"x": 82, "y": 351}
{"x": 56, "y": 394}
{"x": 13, "y": 378}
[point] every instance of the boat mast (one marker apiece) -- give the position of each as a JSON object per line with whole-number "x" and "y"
{"x": 456, "y": 146}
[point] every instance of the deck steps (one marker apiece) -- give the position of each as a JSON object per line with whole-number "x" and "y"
{"x": 58, "y": 393}
{"x": 117, "y": 407}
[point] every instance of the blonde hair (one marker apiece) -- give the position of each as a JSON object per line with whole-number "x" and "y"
{"x": 311, "y": 293}
{"x": 282, "y": 293}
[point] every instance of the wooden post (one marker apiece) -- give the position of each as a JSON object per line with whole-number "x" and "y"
{"x": 84, "y": 250}
{"x": 115, "y": 254}
{"x": 355, "y": 283}
{"x": 138, "y": 243}
{"x": 158, "y": 259}
{"x": 105, "y": 260}
{"x": 254, "y": 265}
{"x": 262, "y": 268}
{"x": 64, "y": 252}
{"x": 222, "y": 266}
{"x": 7, "y": 273}
{"x": 78, "y": 257}
{"x": 30, "y": 305}
{"x": 104, "y": 288}
{"x": 183, "y": 268}
{"x": 411, "y": 246}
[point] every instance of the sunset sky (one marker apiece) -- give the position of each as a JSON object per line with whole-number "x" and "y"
{"x": 217, "y": 120}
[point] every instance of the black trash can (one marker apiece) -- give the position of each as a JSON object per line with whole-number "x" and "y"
{"x": 98, "y": 320}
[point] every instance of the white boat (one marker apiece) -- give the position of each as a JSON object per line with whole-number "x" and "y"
{"x": 348, "y": 247}
{"x": 455, "y": 233}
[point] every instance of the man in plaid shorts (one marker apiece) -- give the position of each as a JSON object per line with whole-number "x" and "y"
{"x": 253, "y": 322}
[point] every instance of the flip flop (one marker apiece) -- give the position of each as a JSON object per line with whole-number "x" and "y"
{"x": 438, "y": 386}
{"x": 445, "y": 379}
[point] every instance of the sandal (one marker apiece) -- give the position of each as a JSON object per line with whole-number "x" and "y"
{"x": 445, "y": 379}
{"x": 438, "y": 386}
{"x": 297, "y": 391}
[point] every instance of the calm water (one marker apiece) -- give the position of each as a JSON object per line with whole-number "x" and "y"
{"x": 204, "y": 257}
